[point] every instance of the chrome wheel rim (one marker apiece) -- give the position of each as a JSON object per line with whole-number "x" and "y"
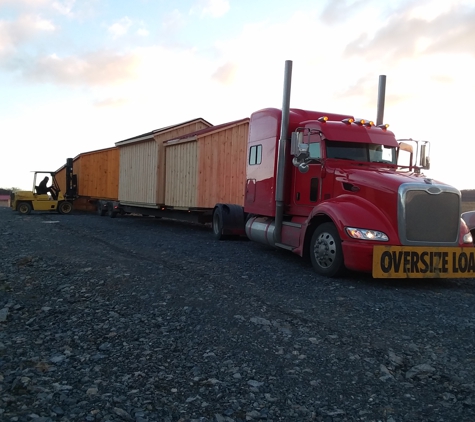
{"x": 325, "y": 250}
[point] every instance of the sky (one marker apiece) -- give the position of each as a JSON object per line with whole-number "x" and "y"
{"x": 81, "y": 75}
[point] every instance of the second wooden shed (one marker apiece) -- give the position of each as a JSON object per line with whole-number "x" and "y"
{"x": 207, "y": 167}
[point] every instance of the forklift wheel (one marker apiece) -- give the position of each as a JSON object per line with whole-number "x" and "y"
{"x": 24, "y": 208}
{"x": 65, "y": 207}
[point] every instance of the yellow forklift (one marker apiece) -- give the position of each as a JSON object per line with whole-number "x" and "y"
{"x": 49, "y": 199}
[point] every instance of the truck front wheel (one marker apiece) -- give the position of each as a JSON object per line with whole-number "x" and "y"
{"x": 24, "y": 208}
{"x": 326, "y": 252}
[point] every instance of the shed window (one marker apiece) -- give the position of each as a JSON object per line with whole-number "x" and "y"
{"x": 255, "y": 155}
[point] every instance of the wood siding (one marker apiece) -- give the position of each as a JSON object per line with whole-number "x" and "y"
{"x": 208, "y": 170}
{"x": 222, "y": 167}
{"x": 97, "y": 175}
{"x": 142, "y": 166}
{"x": 138, "y": 173}
{"x": 181, "y": 175}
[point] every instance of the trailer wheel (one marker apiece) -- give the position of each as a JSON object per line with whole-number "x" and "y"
{"x": 65, "y": 207}
{"x": 326, "y": 252}
{"x": 24, "y": 208}
{"x": 110, "y": 210}
{"x": 218, "y": 224}
{"x": 101, "y": 210}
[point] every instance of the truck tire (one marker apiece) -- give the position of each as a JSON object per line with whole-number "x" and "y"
{"x": 24, "y": 208}
{"x": 218, "y": 224}
{"x": 65, "y": 207}
{"x": 326, "y": 252}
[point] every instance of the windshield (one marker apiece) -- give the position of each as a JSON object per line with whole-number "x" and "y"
{"x": 361, "y": 152}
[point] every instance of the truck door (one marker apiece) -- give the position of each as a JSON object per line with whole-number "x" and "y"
{"x": 306, "y": 186}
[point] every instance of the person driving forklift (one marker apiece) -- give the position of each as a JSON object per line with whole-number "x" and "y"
{"x": 42, "y": 188}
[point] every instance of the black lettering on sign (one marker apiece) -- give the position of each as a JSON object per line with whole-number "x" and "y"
{"x": 436, "y": 262}
{"x": 414, "y": 262}
{"x": 407, "y": 261}
{"x": 386, "y": 262}
{"x": 397, "y": 260}
{"x": 463, "y": 262}
{"x": 471, "y": 262}
{"x": 454, "y": 263}
{"x": 424, "y": 262}
{"x": 445, "y": 262}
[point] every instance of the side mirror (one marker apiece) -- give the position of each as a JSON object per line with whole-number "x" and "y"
{"x": 296, "y": 140}
{"x": 424, "y": 160}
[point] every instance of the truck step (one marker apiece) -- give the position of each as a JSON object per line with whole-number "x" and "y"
{"x": 288, "y": 247}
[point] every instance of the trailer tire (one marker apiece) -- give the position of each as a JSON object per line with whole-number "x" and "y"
{"x": 326, "y": 252}
{"x": 110, "y": 210}
{"x": 24, "y": 208}
{"x": 101, "y": 210}
{"x": 218, "y": 224}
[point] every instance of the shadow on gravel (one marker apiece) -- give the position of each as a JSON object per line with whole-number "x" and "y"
{"x": 415, "y": 283}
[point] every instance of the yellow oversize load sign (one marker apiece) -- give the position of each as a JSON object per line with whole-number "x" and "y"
{"x": 423, "y": 262}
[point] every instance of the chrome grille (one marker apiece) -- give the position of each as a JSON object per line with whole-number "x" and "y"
{"x": 429, "y": 214}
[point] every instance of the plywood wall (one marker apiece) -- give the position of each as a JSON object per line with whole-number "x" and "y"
{"x": 97, "y": 174}
{"x": 222, "y": 167}
{"x": 181, "y": 175}
{"x": 142, "y": 166}
{"x": 161, "y": 138}
{"x": 138, "y": 173}
{"x": 208, "y": 170}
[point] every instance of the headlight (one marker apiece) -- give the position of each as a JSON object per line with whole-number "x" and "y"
{"x": 468, "y": 238}
{"x": 366, "y": 234}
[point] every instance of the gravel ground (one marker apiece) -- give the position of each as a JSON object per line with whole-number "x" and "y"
{"x": 141, "y": 319}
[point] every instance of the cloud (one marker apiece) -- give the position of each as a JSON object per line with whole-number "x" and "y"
{"x": 120, "y": 28}
{"x": 142, "y": 32}
{"x": 337, "y": 11}
{"x": 211, "y": 8}
{"x": 27, "y": 3}
{"x": 99, "y": 68}
{"x": 64, "y": 7}
{"x": 27, "y": 27}
{"x": 226, "y": 73}
{"x": 408, "y": 33}
{"x": 173, "y": 20}
{"x": 110, "y": 102}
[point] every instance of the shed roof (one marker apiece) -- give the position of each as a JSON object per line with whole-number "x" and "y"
{"x": 150, "y": 134}
{"x": 207, "y": 131}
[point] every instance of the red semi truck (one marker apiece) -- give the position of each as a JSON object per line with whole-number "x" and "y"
{"x": 345, "y": 201}
{"x": 335, "y": 193}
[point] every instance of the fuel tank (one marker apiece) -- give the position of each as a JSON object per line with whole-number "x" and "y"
{"x": 261, "y": 230}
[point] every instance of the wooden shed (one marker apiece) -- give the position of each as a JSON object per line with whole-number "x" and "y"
{"x": 142, "y": 164}
{"x": 97, "y": 177}
{"x": 207, "y": 167}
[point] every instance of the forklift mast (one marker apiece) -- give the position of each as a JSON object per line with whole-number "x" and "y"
{"x": 71, "y": 181}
